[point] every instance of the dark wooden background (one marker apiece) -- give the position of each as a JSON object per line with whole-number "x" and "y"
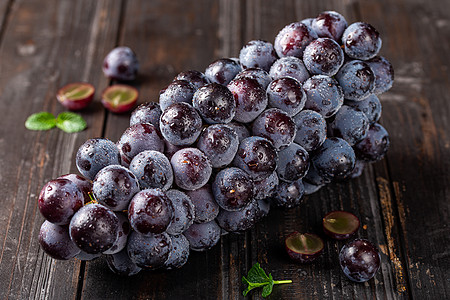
{"x": 402, "y": 201}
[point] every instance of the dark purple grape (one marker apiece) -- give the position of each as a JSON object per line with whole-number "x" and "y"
{"x": 171, "y": 149}
{"x": 138, "y": 138}
{"x": 222, "y": 71}
{"x": 55, "y": 241}
{"x": 314, "y": 178}
{"x": 236, "y": 221}
{"x": 361, "y": 41}
{"x": 375, "y": 145}
{"x": 203, "y": 236}
{"x": 85, "y": 185}
{"x": 121, "y": 264}
{"x": 150, "y": 211}
{"x": 206, "y": 207}
{"x": 122, "y": 236}
{"x": 148, "y": 112}
{"x": 258, "y": 74}
{"x": 384, "y": 74}
{"x": 265, "y": 188}
{"x": 114, "y": 186}
{"x": 323, "y": 95}
{"x": 311, "y": 129}
{"x": 356, "y": 79}
{"x": 293, "y": 39}
{"x": 250, "y": 97}
{"x": 215, "y": 103}
{"x": 263, "y": 208}
{"x": 191, "y": 168}
{"x": 257, "y": 54}
{"x": 308, "y": 22}
{"x": 287, "y": 94}
{"x": 220, "y": 143}
{"x": 371, "y": 107}
{"x": 59, "y": 200}
{"x": 350, "y": 124}
{"x": 184, "y": 212}
{"x": 335, "y": 159}
{"x": 121, "y": 64}
{"x": 359, "y": 260}
{"x": 276, "y": 126}
{"x": 94, "y": 228}
{"x": 358, "y": 170}
{"x": 240, "y": 129}
{"x": 176, "y": 91}
{"x": 323, "y": 56}
{"x": 288, "y": 194}
{"x": 149, "y": 251}
{"x": 289, "y": 66}
{"x": 232, "y": 189}
{"x": 179, "y": 255}
{"x": 310, "y": 188}
{"x": 94, "y": 155}
{"x": 153, "y": 170}
{"x": 293, "y": 163}
{"x": 329, "y": 24}
{"x": 257, "y": 156}
{"x": 196, "y": 78}
{"x": 180, "y": 124}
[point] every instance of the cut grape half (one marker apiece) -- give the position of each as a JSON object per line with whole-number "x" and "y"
{"x": 119, "y": 98}
{"x": 303, "y": 247}
{"x": 76, "y": 96}
{"x": 340, "y": 225}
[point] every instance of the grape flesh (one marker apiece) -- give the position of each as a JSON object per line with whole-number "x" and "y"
{"x": 232, "y": 189}
{"x": 257, "y": 74}
{"x": 203, "y": 236}
{"x": 323, "y": 56}
{"x": 236, "y": 221}
{"x": 122, "y": 235}
{"x": 359, "y": 260}
{"x": 121, "y": 64}
{"x": 289, "y": 194}
{"x": 257, "y": 54}
{"x": 350, "y": 124}
{"x": 289, "y": 66}
{"x": 149, "y": 251}
{"x": 196, "y": 78}
{"x": 184, "y": 212}
{"x": 323, "y": 95}
{"x": 375, "y": 145}
{"x": 206, "y": 207}
{"x": 191, "y": 168}
{"x": 293, "y": 163}
{"x": 356, "y": 79}
{"x": 84, "y": 184}
{"x": 384, "y": 74}
{"x": 287, "y": 94}
{"x": 153, "y": 170}
{"x": 361, "y": 41}
{"x": 55, "y": 241}
{"x": 311, "y": 129}
{"x": 293, "y": 39}
{"x": 176, "y": 91}
{"x": 329, "y": 24}
{"x": 148, "y": 112}
{"x": 276, "y": 126}
{"x": 241, "y": 130}
{"x": 265, "y": 188}
{"x": 121, "y": 264}
{"x": 179, "y": 255}
{"x": 222, "y": 71}
{"x": 215, "y": 103}
{"x": 371, "y": 107}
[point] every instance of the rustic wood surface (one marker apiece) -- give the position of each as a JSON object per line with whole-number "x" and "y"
{"x": 403, "y": 201}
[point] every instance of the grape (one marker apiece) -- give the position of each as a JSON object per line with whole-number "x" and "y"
{"x": 138, "y": 138}
{"x": 184, "y": 212}
{"x": 176, "y": 91}
{"x": 384, "y": 74}
{"x": 311, "y": 129}
{"x": 276, "y": 126}
{"x": 256, "y": 156}
{"x": 240, "y": 129}
{"x": 323, "y": 95}
{"x": 206, "y": 207}
{"x": 196, "y": 78}
{"x": 55, "y": 241}
{"x": 258, "y": 74}
{"x": 191, "y": 168}
{"x": 153, "y": 170}
{"x": 350, "y": 124}
{"x": 170, "y": 149}
{"x": 257, "y": 54}
{"x": 114, "y": 186}
{"x": 361, "y": 41}
{"x": 235, "y": 221}
{"x": 323, "y": 56}
{"x": 122, "y": 236}
{"x": 289, "y": 66}
{"x": 359, "y": 260}
{"x": 85, "y": 185}
{"x": 180, "y": 124}
{"x": 308, "y": 22}
{"x": 220, "y": 143}
{"x": 371, "y": 107}
{"x": 335, "y": 159}
{"x": 232, "y": 189}
{"x": 215, "y": 103}
{"x": 250, "y": 97}
{"x": 266, "y": 187}
{"x": 314, "y": 178}
{"x": 121, "y": 64}
{"x": 288, "y": 194}
{"x": 263, "y": 208}
{"x": 293, "y": 163}
{"x": 94, "y": 228}
{"x": 94, "y": 155}
{"x": 179, "y": 255}
{"x": 358, "y": 170}
{"x": 150, "y": 211}
{"x": 293, "y": 39}
{"x": 149, "y": 251}
{"x": 356, "y": 79}
{"x": 375, "y": 145}
{"x": 121, "y": 264}
{"x": 329, "y": 24}
{"x": 310, "y": 188}
{"x": 222, "y": 71}
{"x": 287, "y": 94}
{"x": 148, "y": 112}
{"x": 59, "y": 200}
{"x": 203, "y": 236}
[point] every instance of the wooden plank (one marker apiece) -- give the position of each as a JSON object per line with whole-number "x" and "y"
{"x": 43, "y": 48}
{"x": 4, "y": 14}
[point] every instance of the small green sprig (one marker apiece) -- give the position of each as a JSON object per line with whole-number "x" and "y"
{"x": 66, "y": 121}
{"x": 256, "y": 278}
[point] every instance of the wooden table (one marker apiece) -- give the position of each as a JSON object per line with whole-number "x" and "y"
{"x": 402, "y": 201}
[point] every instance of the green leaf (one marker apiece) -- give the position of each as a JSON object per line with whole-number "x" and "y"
{"x": 70, "y": 122}
{"x": 257, "y": 274}
{"x": 256, "y": 277}
{"x": 40, "y": 121}
{"x": 268, "y": 288}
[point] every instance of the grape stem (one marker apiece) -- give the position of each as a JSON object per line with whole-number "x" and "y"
{"x": 282, "y": 281}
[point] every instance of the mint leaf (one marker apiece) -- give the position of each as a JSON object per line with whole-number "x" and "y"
{"x": 40, "y": 121}
{"x": 70, "y": 122}
{"x": 256, "y": 277}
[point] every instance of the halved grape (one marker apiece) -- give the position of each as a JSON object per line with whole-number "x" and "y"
{"x": 119, "y": 98}
{"x": 340, "y": 225}
{"x": 76, "y": 96}
{"x": 303, "y": 247}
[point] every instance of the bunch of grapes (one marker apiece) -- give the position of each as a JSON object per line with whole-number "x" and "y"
{"x": 222, "y": 147}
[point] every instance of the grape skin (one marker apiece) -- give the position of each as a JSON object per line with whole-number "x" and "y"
{"x": 257, "y": 54}
{"x": 287, "y": 94}
{"x": 384, "y": 74}
{"x": 323, "y": 95}
{"x": 215, "y": 103}
{"x": 196, "y": 78}
{"x": 84, "y": 184}
{"x": 329, "y": 24}
{"x": 289, "y": 66}
{"x": 184, "y": 212}
{"x": 293, "y": 39}
{"x": 289, "y": 194}
{"x": 236, "y": 221}
{"x": 122, "y": 235}
{"x": 375, "y": 145}
{"x": 148, "y": 112}
{"x": 153, "y": 170}
{"x": 359, "y": 260}
{"x": 350, "y": 124}
{"x": 293, "y": 163}
{"x": 250, "y": 97}
{"x": 121, "y": 264}
{"x": 257, "y": 74}
{"x": 149, "y": 251}
{"x": 55, "y": 241}
{"x": 371, "y": 107}
{"x": 121, "y": 64}
{"x": 179, "y": 255}
{"x": 176, "y": 91}
{"x": 323, "y": 56}
{"x": 265, "y": 188}
{"x": 311, "y": 129}
{"x": 203, "y": 236}
{"x": 206, "y": 207}
{"x": 222, "y": 71}
{"x": 361, "y": 41}
{"x": 191, "y": 168}
{"x": 356, "y": 79}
